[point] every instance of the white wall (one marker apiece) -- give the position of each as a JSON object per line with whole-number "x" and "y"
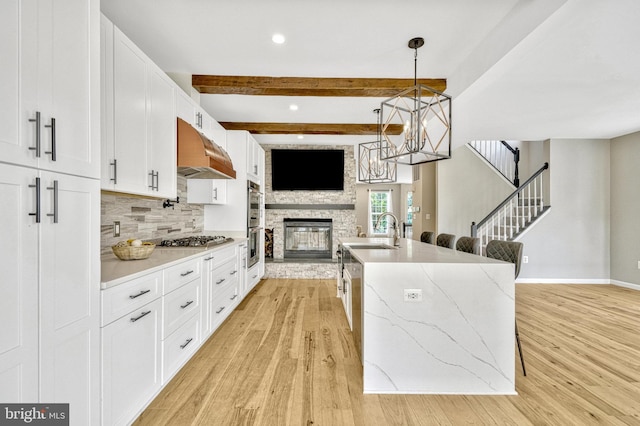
{"x": 625, "y": 209}
{"x": 571, "y": 243}
{"x": 468, "y": 190}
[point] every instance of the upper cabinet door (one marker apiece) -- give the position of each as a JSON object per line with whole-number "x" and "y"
{"x": 48, "y": 118}
{"x": 130, "y": 110}
{"x": 68, "y": 57}
{"x": 161, "y": 143}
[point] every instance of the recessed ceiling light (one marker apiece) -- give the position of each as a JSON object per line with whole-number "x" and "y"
{"x": 293, "y": 107}
{"x": 300, "y": 137}
{"x": 278, "y": 38}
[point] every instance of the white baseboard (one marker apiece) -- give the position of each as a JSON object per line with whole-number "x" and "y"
{"x": 562, "y": 281}
{"x": 625, "y": 284}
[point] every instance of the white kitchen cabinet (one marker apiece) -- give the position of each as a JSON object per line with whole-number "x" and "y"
{"x": 52, "y": 266}
{"x": 46, "y": 84}
{"x": 221, "y": 274}
{"x": 253, "y": 276}
{"x": 207, "y": 191}
{"x": 255, "y": 160}
{"x": 139, "y": 126}
{"x": 49, "y": 291}
{"x": 131, "y": 363}
{"x": 345, "y": 295}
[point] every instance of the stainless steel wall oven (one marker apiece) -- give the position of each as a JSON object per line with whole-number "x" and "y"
{"x": 254, "y": 216}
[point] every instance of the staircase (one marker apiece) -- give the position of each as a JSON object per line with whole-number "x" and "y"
{"x": 522, "y": 208}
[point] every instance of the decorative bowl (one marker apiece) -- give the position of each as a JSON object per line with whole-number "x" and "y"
{"x": 133, "y": 253}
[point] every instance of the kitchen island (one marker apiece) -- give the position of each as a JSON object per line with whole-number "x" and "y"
{"x": 434, "y": 320}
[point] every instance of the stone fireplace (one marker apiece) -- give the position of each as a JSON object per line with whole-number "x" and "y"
{"x": 335, "y": 207}
{"x": 308, "y": 238}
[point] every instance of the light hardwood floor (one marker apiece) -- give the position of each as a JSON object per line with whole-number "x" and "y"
{"x": 285, "y": 357}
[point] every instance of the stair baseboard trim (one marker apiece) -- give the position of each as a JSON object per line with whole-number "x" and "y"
{"x": 563, "y": 281}
{"x": 632, "y": 286}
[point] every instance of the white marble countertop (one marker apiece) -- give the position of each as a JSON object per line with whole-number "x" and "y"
{"x": 115, "y": 271}
{"x": 410, "y": 251}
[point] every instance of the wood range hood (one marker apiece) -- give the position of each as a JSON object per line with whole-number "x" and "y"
{"x": 200, "y": 157}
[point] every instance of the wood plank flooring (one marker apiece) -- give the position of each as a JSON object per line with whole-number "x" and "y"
{"x": 285, "y": 356}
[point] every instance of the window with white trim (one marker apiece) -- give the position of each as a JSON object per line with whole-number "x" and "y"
{"x": 379, "y": 202}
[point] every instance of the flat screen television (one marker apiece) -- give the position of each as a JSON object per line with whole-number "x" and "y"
{"x": 307, "y": 169}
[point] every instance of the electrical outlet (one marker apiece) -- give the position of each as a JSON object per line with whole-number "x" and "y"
{"x": 427, "y": 216}
{"x": 525, "y": 259}
{"x": 116, "y": 229}
{"x": 638, "y": 264}
{"x": 412, "y": 295}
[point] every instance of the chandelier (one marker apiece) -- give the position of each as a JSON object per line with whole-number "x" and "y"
{"x": 371, "y": 168}
{"x": 425, "y": 114}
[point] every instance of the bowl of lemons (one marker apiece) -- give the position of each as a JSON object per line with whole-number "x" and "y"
{"x": 133, "y": 249}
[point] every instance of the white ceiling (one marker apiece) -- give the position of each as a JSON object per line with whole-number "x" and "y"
{"x": 517, "y": 69}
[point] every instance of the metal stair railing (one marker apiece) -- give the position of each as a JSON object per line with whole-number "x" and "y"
{"x": 502, "y": 156}
{"x": 515, "y": 213}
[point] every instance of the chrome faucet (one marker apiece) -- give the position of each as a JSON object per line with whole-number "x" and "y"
{"x": 396, "y": 238}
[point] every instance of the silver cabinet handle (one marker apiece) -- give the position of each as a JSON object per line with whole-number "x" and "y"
{"x": 52, "y": 126}
{"x": 154, "y": 180}
{"x": 115, "y": 171}
{"x": 186, "y": 304}
{"x": 37, "y": 212}
{"x": 186, "y": 343}
{"x": 220, "y": 281}
{"x": 142, "y": 315}
{"x": 220, "y": 310}
{"x": 54, "y": 188}
{"x": 233, "y": 272}
{"x": 208, "y": 258}
{"x": 234, "y": 296}
{"x": 215, "y": 194}
{"x": 184, "y": 274}
{"x": 255, "y": 276}
{"x": 255, "y": 169}
{"x": 142, "y": 292}
{"x": 37, "y": 121}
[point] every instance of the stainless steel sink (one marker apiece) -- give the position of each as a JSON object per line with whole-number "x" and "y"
{"x": 370, "y": 247}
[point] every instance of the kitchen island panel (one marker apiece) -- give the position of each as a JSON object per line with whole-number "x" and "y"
{"x": 458, "y": 339}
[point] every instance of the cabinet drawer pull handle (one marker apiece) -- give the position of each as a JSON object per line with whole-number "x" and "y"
{"x": 144, "y": 314}
{"x": 184, "y": 274}
{"x": 232, "y": 273}
{"x": 52, "y": 126}
{"x": 54, "y": 188}
{"x": 220, "y": 310}
{"x": 37, "y": 121}
{"x": 37, "y": 187}
{"x": 234, "y": 296}
{"x": 215, "y": 193}
{"x": 133, "y": 296}
{"x": 186, "y": 343}
{"x": 208, "y": 258}
{"x": 255, "y": 276}
{"x": 186, "y": 304}
{"x": 220, "y": 281}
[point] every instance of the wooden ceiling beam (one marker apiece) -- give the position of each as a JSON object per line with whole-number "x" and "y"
{"x": 310, "y": 128}
{"x": 308, "y": 86}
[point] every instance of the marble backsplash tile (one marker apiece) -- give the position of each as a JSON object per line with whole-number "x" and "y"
{"x": 146, "y": 219}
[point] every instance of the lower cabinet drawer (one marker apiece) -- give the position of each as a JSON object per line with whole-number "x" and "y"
{"x": 120, "y": 300}
{"x": 178, "y": 347}
{"x": 179, "y": 305}
{"x": 223, "y": 304}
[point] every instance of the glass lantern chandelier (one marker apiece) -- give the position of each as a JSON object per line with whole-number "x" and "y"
{"x": 371, "y": 167}
{"x": 425, "y": 114}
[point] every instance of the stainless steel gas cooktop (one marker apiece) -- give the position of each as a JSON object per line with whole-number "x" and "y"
{"x": 204, "y": 241}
